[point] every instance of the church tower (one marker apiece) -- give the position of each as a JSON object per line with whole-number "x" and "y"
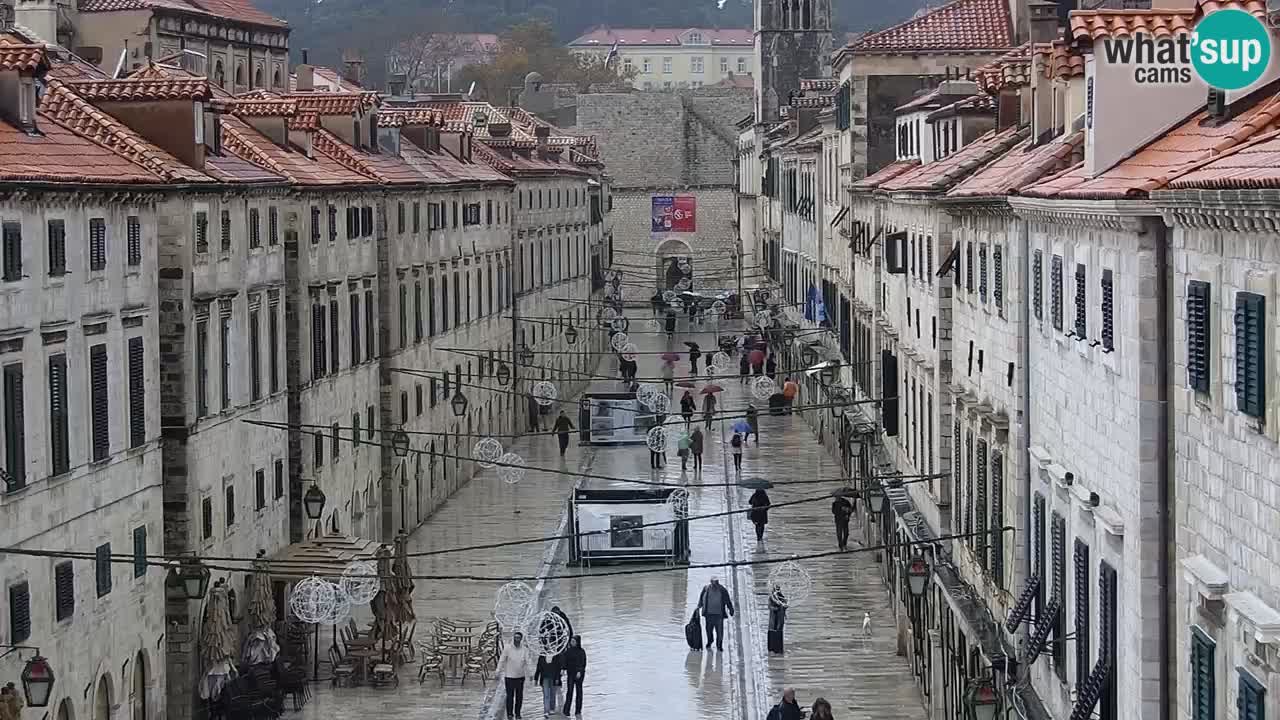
{"x": 792, "y": 41}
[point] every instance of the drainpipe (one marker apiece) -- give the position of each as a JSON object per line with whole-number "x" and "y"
{"x": 1167, "y": 492}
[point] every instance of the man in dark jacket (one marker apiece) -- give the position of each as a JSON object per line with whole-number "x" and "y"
{"x": 535, "y": 415}
{"x": 842, "y": 510}
{"x": 562, "y": 428}
{"x": 714, "y": 602}
{"x": 788, "y": 709}
{"x": 568, "y": 625}
{"x": 759, "y": 512}
{"x": 575, "y": 668}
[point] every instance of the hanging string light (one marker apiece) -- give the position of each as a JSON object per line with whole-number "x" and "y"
{"x": 790, "y": 584}
{"x": 487, "y": 451}
{"x": 513, "y": 605}
{"x": 763, "y": 387}
{"x": 544, "y": 392}
{"x": 511, "y": 469}
{"x": 619, "y": 340}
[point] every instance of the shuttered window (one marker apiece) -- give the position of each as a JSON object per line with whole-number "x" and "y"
{"x": 259, "y": 489}
{"x": 1037, "y": 563}
{"x": 15, "y": 443}
{"x": 417, "y": 216}
{"x": 1108, "y": 605}
{"x": 201, "y": 230}
{"x": 202, "y": 368}
{"x": 19, "y": 613}
{"x": 968, "y": 487}
{"x": 1037, "y": 284}
{"x": 319, "y": 356}
{"x": 137, "y": 393}
{"x": 100, "y": 411}
{"x": 404, "y": 315}
{"x": 370, "y": 327}
{"x": 1108, "y": 311}
{"x": 206, "y": 518}
{"x": 1082, "y": 309}
{"x": 1198, "y": 327}
{"x": 353, "y": 305}
{"x": 982, "y": 542}
{"x": 224, "y": 231}
{"x": 366, "y": 221}
{"x": 64, "y": 591}
{"x": 273, "y": 225}
{"x": 997, "y": 519}
{"x": 229, "y": 496}
{"x": 335, "y": 332}
{"x": 1055, "y": 292}
{"x": 279, "y": 479}
{"x": 336, "y": 442}
{"x": 968, "y": 266}
{"x": 255, "y": 228}
{"x": 315, "y": 224}
{"x": 400, "y": 216}
{"x": 333, "y": 223}
{"x": 997, "y": 276}
{"x": 140, "y": 551}
{"x": 1251, "y": 698}
{"x": 97, "y": 244}
{"x": 1203, "y": 676}
{"x": 133, "y": 241}
{"x": 12, "y": 232}
{"x": 1251, "y": 362}
{"x": 982, "y": 272}
{"x": 1058, "y": 536}
{"x": 224, "y": 351}
{"x": 273, "y": 344}
{"x": 56, "y": 231}
{"x": 102, "y": 569}
{"x": 417, "y": 311}
{"x": 957, "y": 478}
{"x": 319, "y": 449}
{"x": 1080, "y": 560}
{"x": 255, "y": 353}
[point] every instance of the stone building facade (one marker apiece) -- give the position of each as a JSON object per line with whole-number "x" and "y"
{"x": 792, "y": 41}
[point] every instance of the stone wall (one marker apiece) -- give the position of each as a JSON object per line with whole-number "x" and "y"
{"x": 714, "y": 242}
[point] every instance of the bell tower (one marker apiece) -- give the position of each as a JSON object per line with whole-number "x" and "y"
{"x": 792, "y": 41}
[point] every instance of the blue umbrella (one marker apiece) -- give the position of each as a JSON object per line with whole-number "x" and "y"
{"x": 742, "y": 426}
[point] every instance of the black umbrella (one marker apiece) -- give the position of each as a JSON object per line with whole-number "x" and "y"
{"x": 846, "y": 492}
{"x": 755, "y": 484}
{"x": 692, "y": 345}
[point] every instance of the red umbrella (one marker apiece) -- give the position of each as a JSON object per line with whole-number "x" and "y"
{"x": 756, "y": 357}
{"x": 712, "y": 389}
{"x": 686, "y": 384}
{"x": 669, "y": 356}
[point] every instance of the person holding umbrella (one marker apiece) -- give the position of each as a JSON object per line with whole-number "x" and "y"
{"x": 687, "y": 406}
{"x": 757, "y": 360}
{"x": 694, "y": 353}
{"x": 695, "y": 446}
{"x": 562, "y": 427}
{"x": 841, "y": 511}
{"x": 670, "y": 324}
{"x": 753, "y": 423}
{"x": 759, "y": 514}
{"x": 744, "y": 368}
{"x": 736, "y": 443}
{"x": 708, "y": 405}
{"x": 669, "y": 374}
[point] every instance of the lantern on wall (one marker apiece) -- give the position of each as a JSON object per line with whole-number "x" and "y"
{"x": 37, "y": 681}
{"x": 313, "y": 502}
{"x": 982, "y": 699}
{"x": 917, "y": 575}
{"x": 188, "y": 579}
{"x": 400, "y": 443}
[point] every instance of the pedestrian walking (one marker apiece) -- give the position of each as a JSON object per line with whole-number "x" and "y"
{"x": 694, "y": 354}
{"x": 562, "y": 427}
{"x": 575, "y": 669}
{"x": 714, "y": 602}
{"x": 744, "y": 368}
{"x": 684, "y": 451}
{"x": 771, "y": 365}
{"x": 790, "y": 389}
{"x": 841, "y": 511}
{"x": 753, "y": 420}
{"x": 535, "y": 415}
{"x": 866, "y": 624}
{"x": 513, "y": 668}
{"x": 670, "y": 324}
{"x": 656, "y": 302}
{"x": 547, "y": 676}
{"x": 759, "y": 514}
{"x": 777, "y": 619}
{"x": 656, "y": 459}
{"x": 735, "y": 443}
{"x": 742, "y": 342}
{"x": 568, "y": 625}
{"x": 695, "y": 446}
{"x": 708, "y": 409}
{"x": 787, "y": 708}
{"x": 687, "y": 406}
{"x": 669, "y": 375}
{"x": 821, "y": 710}
{"x": 757, "y": 361}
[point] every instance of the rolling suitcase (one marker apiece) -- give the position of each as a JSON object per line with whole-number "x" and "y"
{"x": 693, "y": 632}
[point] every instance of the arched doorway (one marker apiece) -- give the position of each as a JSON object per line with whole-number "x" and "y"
{"x": 103, "y": 699}
{"x": 672, "y": 263}
{"x": 138, "y": 697}
{"x": 65, "y": 710}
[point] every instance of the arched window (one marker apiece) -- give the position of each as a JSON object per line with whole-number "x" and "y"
{"x": 103, "y": 699}
{"x": 786, "y": 14}
{"x": 795, "y": 14}
{"x": 219, "y": 74}
{"x": 806, "y": 21}
{"x": 257, "y": 77}
{"x": 138, "y": 698}
{"x": 239, "y": 73}
{"x": 275, "y": 78}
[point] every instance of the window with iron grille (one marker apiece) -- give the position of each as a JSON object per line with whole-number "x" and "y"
{"x": 202, "y": 367}
{"x": 968, "y": 266}
{"x": 982, "y": 272}
{"x": 97, "y": 244}
{"x": 366, "y": 221}
{"x": 229, "y": 496}
{"x": 400, "y": 216}
{"x": 137, "y": 392}
{"x": 255, "y": 353}
{"x": 1055, "y": 292}
{"x": 997, "y": 276}
{"x": 315, "y": 224}
{"x": 255, "y": 229}
{"x": 12, "y": 251}
{"x": 57, "y": 242}
{"x": 1108, "y": 604}
{"x": 982, "y": 542}
{"x": 273, "y": 225}
{"x": 1059, "y": 539}
{"x": 370, "y": 327}
{"x": 206, "y": 518}
{"x": 133, "y": 241}
{"x": 224, "y": 231}
{"x": 335, "y": 333}
{"x": 102, "y": 569}
{"x": 1108, "y": 312}
{"x": 1251, "y": 361}
{"x": 100, "y": 411}
{"x": 1037, "y": 279}
{"x": 997, "y": 519}
{"x": 1251, "y": 698}
{"x": 969, "y": 486}
{"x": 353, "y": 301}
{"x": 64, "y": 591}
{"x": 279, "y": 479}
{"x": 19, "y": 613}
{"x": 1081, "y": 561}
{"x": 1082, "y": 308}
{"x": 224, "y": 350}
{"x": 319, "y": 354}
{"x": 1037, "y": 563}
{"x": 140, "y": 551}
{"x": 1198, "y": 326}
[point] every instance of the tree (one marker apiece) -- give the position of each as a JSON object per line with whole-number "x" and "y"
{"x": 533, "y": 47}
{"x": 426, "y": 58}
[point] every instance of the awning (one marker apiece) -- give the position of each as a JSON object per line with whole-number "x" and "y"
{"x": 325, "y": 557}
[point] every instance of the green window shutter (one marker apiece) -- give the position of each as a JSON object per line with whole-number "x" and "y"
{"x": 1198, "y": 336}
{"x": 1251, "y": 699}
{"x": 1202, "y": 676}
{"x": 1251, "y": 364}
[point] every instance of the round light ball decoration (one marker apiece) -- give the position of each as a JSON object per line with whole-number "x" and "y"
{"x": 511, "y": 468}
{"x": 341, "y": 606}
{"x": 618, "y": 340}
{"x": 684, "y": 264}
{"x": 644, "y": 395}
{"x": 656, "y": 439}
{"x": 790, "y": 584}
{"x": 547, "y": 634}
{"x": 312, "y": 599}
{"x": 619, "y": 324}
{"x": 660, "y": 403}
{"x": 678, "y": 502}
{"x": 684, "y": 283}
{"x": 630, "y": 351}
{"x": 512, "y": 605}
{"x": 486, "y": 451}
{"x": 718, "y": 307}
{"x": 763, "y": 318}
{"x": 653, "y": 325}
{"x": 544, "y": 392}
{"x": 668, "y": 296}
{"x": 763, "y": 387}
{"x": 360, "y": 581}
{"x": 677, "y": 305}
{"x": 722, "y": 361}
{"x": 609, "y": 314}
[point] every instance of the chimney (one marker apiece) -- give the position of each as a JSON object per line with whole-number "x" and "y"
{"x": 397, "y": 83}
{"x": 1008, "y": 109}
{"x": 38, "y": 16}
{"x": 18, "y": 99}
{"x": 353, "y": 67}
{"x": 306, "y": 77}
{"x": 541, "y": 134}
{"x": 1042, "y": 16}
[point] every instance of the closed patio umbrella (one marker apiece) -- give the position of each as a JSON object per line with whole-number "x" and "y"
{"x": 217, "y": 643}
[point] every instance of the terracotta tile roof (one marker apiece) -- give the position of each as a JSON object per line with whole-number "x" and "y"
{"x": 812, "y": 101}
{"x": 958, "y": 25}
{"x": 325, "y": 79}
{"x": 920, "y": 102}
{"x": 885, "y": 174}
{"x": 304, "y": 121}
{"x": 1168, "y": 157}
{"x": 1013, "y": 69}
{"x": 78, "y": 115}
{"x": 1251, "y": 165}
{"x": 972, "y": 105}
{"x": 1062, "y": 62}
{"x": 443, "y": 168}
{"x": 1090, "y": 25}
{"x": 232, "y": 168}
{"x": 817, "y": 84}
{"x": 409, "y": 118}
{"x": 58, "y": 154}
{"x": 244, "y": 107}
{"x": 383, "y": 167}
{"x": 21, "y": 58}
{"x": 940, "y": 175}
{"x": 239, "y": 138}
{"x": 335, "y": 103}
{"x": 1021, "y": 166}
{"x": 147, "y": 89}
{"x": 605, "y": 37}
{"x": 517, "y": 162}
{"x": 237, "y": 10}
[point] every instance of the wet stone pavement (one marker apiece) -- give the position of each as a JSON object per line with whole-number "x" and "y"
{"x": 633, "y": 625}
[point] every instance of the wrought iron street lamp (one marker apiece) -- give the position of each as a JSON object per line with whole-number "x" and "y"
{"x": 37, "y": 681}
{"x": 504, "y": 374}
{"x": 839, "y": 403}
{"x": 829, "y": 373}
{"x": 400, "y": 441}
{"x": 459, "y": 404}
{"x": 313, "y": 502}
{"x": 526, "y": 355}
{"x": 982, "y": 699}
{"x": 571, "y": 335}
{"x": 188, "y": 579}
{"x": 917, "y": 575}
{"x": 875, "y": 495}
